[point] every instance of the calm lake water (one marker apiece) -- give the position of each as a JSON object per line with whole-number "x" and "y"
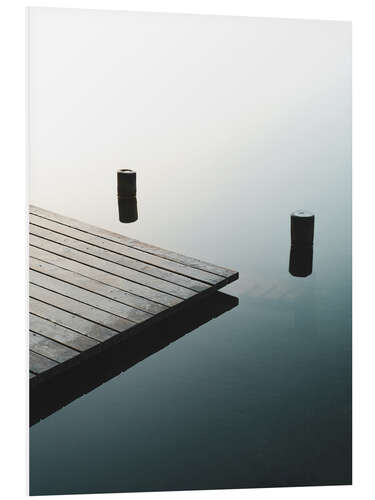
{"x": 259, "y": 396}
{"x": 231, "y": 124}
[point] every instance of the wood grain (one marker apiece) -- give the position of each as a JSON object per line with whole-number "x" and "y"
{"x": 90, "y": 287}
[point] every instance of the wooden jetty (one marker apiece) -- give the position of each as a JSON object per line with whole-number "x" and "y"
{"x": 91, "y": 288}
{"x": 62, "y": 389}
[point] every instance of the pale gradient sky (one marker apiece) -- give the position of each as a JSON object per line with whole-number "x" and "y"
{"x": 214, "y": 113}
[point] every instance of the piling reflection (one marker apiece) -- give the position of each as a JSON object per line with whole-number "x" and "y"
{"x": 127, "y": 209}
{"x": 301, "y": 260}
{"x": 48, "y": 397}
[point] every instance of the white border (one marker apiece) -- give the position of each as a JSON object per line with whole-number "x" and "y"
{"x": 12, "y": 106}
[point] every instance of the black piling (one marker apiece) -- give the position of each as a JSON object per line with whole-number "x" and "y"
{"x": 302, "y": 240}
{"x": 126, "y": 195}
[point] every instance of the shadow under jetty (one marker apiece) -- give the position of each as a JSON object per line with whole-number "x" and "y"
{"x": 48, "y": 397}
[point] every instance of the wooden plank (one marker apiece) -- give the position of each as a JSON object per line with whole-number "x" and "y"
{"x": 167, "y": 254}
{"x": 88, "y": 298}
{"x": 86, "y": 376}
{"x": 39, "y": 364}
{"x": 91, "y": 279}
{"x": 136, "y": 288}
{"x": 79, "y": 308}
{"x": 60, "y": 334}
{"x": 71, "y": 321}
{"x": 38, "y": 227}
{"x": 90, "y": 288}
{"x": 50, "y": 348}
{"x": 133, "y": 253}
{"x": 38, "y": 237}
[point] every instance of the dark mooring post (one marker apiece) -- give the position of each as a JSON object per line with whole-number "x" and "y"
{"x": 126, "y": 183}
{"x": 302, "y": 227}
{"x": 302, "y": 240}
{"x": 126, "y": 195}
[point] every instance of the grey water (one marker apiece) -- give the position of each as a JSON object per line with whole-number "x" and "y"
{"x": 257, "y": 397}
{"x": 231, "y": 123}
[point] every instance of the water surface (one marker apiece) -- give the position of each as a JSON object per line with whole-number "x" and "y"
{"x": 261, "y": 395}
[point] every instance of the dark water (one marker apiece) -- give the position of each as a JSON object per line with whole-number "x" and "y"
{"x": 231, "y": 125}
{"x": 259, "y": 396}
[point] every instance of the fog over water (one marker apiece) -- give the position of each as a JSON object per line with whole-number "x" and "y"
{"x": 231, "y": 123}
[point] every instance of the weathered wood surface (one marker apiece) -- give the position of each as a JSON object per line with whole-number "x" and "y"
{"x": 83, "y": 377}
{"x": 90, "y": 288}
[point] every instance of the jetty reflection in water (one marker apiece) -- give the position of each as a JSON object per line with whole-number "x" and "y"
{"x": 48, "y": 397}
{"x": 127, "y": 209}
